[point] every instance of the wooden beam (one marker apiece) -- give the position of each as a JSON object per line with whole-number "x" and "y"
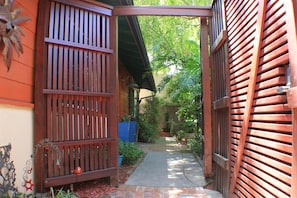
{"x": 195, "y": 11}
{"x": 221, "y": 103}
{"x": 97, "y": 7}
{"x": 221, "y": 39}
{"x": 221, "y": 161}
{"x": 251, "y": 90}
{"x": 84, "y": 176}
{"x": 206, "y": 98}
{"x": 291, "y": 22}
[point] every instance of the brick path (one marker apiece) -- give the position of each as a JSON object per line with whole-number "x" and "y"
{"x": 126, "y": 191}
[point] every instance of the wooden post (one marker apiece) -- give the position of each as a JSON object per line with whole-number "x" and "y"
{"x": 40, "y": 104}
{"x": 114, "y": 86}
{"x": 291, "y": 19}
{"x": 206, "y": 98}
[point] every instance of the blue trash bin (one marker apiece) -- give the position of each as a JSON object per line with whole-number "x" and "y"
{"x": 127, "y": 131}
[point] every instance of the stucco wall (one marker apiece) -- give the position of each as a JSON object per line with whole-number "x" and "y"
{"x": 16, "y": 128}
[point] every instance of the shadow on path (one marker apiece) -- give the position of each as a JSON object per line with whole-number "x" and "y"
{"x": 168, "y": 170}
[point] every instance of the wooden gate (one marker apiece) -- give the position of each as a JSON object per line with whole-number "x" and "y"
{"x": 256, "y": 76}
{"x": 76, "y": 126}
{"x": 220, "y": 98}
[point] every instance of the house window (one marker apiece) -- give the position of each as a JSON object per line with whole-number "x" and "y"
{"x": 131, "y": 101}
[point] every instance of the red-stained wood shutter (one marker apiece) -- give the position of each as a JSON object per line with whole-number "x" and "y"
{"x": 78, "y": 90}
{"x": 261, "y": 132}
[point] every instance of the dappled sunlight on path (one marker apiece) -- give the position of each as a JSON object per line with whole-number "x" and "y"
{"x": 169, "y": 169}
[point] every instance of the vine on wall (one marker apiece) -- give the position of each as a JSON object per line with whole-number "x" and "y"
{"x": 10, "y": 31}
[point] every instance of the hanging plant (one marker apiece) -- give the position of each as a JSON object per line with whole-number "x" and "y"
{"x": 10, "y": 31}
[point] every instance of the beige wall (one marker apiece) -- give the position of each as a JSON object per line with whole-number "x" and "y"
{"x": 16, "y": 128}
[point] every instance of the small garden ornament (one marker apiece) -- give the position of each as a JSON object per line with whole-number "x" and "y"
{"x": 10, "y": 31}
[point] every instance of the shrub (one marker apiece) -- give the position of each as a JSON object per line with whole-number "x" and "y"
{"x": 148, "y": 120}
{"x": 131, "y": 153}
{"x": 197, "y": 144}
{"x": 147, "y": 131}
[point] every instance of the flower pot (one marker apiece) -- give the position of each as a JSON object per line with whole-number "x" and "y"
{"x": 120, "y": 160}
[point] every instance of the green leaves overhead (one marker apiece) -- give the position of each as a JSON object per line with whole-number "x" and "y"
{"x": 173, "y": 46}
{"x": 169, "y": 40}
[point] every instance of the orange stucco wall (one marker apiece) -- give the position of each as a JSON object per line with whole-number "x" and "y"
{"x": 17, "y": 83}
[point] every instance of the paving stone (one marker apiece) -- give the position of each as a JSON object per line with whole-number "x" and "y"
{"x": 167, "y": 171}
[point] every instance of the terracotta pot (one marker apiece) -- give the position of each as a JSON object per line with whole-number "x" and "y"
{"x": 77, "y": 170}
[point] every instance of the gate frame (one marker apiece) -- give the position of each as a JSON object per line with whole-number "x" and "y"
{"x": 40, "y": 82}
{"x": 291, "y": 21}
{"x": 205, "y": 13}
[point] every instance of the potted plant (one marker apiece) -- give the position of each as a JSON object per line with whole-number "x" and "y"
{"x": 130, "y": 153}
{"x": 127, "y": 128}
{"x": 120, "y": 151}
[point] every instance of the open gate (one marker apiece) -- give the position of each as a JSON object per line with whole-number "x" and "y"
{"x": 76, "y": 86}
{"x": 251, "y": 64}
{"x": 220, "y": 98}
{"x": 253, "y": 137}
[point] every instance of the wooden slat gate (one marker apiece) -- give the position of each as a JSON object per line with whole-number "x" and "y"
{"x": 76, "y": 93}
{"x": 251, "y": 50}
{"x": 220, "y": 98}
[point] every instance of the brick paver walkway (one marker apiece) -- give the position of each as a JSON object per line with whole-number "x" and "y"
{"x": 126, "y": 191}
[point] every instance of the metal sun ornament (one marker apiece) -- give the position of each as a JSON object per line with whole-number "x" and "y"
{"x": 10, "y": 31}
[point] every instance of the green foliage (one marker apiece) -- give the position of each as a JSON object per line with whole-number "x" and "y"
{"x": 196, "y": 144}
{"x": 173, "y": 45}
{"x": 5, "y": 195}
{"x": 180, "y": 134}
{"x": 131, "y": 153}
{"x": 121, "y": 147}
{"x": 22, "y": 195}
{"x": 148, "y": 120}
{"x": 126, "y": 118}
{"x": 60, "y": 193}
{"x": 147, "y": 132}
{"x": 63, "y": 194}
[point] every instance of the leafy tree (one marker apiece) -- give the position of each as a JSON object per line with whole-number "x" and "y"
{"x": 173, "y": 47}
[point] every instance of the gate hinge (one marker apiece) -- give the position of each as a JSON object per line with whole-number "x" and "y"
{"x": 282, "y": 89}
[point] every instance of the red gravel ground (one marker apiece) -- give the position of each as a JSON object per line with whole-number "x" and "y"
{"x": 99, "y": 188}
